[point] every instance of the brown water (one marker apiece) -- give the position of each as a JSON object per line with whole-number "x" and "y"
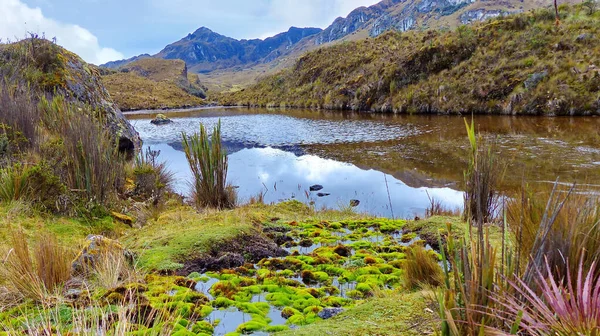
{"x": 361, "y": 156}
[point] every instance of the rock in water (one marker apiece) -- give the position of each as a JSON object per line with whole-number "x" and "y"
{"x": 161, "y": 119}
{"x": 316, "y": 187}
{"x": 354, "y": 203}
{"x": 323, "y": 194}
{"x": 328, "y": 313}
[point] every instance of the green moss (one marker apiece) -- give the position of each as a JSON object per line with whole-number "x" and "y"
{"x": 203, "y": 327}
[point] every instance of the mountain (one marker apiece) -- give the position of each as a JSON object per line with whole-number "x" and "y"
{"x": 523, "y": 64}
{"x": 154, "y": 83}
{"x": 207, "y": 52}
{"x": 117, "y": 64}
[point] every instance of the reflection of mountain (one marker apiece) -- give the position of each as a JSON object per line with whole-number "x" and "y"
{"x": 233, "y": 147}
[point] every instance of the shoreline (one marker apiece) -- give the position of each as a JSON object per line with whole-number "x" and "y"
{"x": 177, "y": 110}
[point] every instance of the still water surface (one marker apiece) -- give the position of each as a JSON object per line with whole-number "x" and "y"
{"x": 361, "y": 156}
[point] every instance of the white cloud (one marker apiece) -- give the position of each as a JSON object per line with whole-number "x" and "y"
{"x": 16, "y": 19}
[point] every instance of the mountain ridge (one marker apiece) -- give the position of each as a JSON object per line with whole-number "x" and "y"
{"x": 206, "y": 51}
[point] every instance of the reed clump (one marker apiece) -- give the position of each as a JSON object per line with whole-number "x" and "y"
{"x": 207, "y": 159}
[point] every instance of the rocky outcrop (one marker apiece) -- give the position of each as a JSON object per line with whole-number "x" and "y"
{"x": 63, "y": 72}
{"x": 480, "y": 14}
{"x": 83, "y": 84}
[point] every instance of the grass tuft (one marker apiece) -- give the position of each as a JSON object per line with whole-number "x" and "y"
{"x": 208, "y": 162}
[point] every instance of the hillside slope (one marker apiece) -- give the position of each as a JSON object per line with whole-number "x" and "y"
{"x": 152, "y": 83}
{"x": 206, "y": 52}
{"x": 521, "y": 64}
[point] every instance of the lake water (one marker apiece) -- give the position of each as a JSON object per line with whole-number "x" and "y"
{"x": 392, "y": 164}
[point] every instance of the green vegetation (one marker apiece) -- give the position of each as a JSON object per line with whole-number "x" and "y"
{"x": 154, "y": 83}
{"x": 207, "y": 159}
{"x": 522, "y": 64}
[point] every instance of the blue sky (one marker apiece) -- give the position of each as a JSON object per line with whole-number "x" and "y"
{"x": 104, "y": 30}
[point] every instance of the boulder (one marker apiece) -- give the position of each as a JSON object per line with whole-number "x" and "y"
{"x": 328, "y": 313}
{"x": 354, "y": 203}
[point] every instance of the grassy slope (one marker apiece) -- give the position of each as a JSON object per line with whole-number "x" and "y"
{"x": 153, "y": 83}
{"x": 481, "y": 68}
{"x": 232, "y": 80}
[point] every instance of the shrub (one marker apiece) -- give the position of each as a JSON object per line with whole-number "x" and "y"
{"x": 420, "y": 269}
{"x": 208, "y": 162}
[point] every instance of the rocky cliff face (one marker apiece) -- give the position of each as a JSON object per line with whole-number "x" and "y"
{"x": 205, "y": 50}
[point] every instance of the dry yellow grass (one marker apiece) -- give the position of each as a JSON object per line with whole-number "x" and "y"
{"x": 131, "y": 91}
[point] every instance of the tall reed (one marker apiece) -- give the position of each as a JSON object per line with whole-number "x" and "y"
{"x": 207, "y": 159}
{"x": 482, "y": 178}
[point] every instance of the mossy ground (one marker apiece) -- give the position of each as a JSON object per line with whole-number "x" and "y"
{"x": 337, "y": 260}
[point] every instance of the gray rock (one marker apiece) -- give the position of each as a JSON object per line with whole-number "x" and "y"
{"x": 535, "y": 79}
{"x": 354, "y": 203}
{"x": 328, "y": 313}
{"x": 323, "y": 194}
{"x": 584, "y": 37}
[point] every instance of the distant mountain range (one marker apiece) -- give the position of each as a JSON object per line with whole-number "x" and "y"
{"x": 205, "y": 51}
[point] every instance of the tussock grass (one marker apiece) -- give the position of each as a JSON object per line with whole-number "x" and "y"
{"x": 113, "y": 269}
{"x": 14, "y": 183}
{"x": 208, "y": 162}
{"x": 421, "y": 270}
{"x": 36, "y": 272}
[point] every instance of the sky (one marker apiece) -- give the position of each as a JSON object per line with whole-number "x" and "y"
{"x": 106, "y": 30}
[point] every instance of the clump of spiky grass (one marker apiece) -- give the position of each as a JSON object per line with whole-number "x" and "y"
{"x": 37, "y": 272}
{"x": 556, "y": 306}
{"x": 208, "y": 161}
{"x": 152, "y": 177}
{"x": 420, "y": 269}
{"x": 482, "y": 178}
{"x": 14, "y": 183}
